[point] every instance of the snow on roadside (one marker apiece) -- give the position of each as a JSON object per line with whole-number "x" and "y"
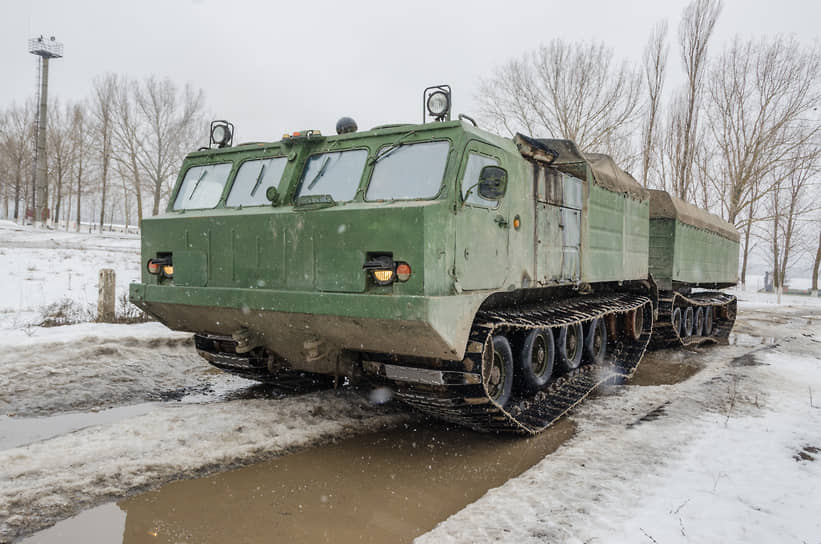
{"x": 40, "y": 267}
{"x": 92, "y": 366}
{"x": 717, "y": 458}
{"x": 53, "y": 479}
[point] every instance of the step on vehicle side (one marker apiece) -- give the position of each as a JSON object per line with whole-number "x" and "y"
{"x": 493, "y": 282}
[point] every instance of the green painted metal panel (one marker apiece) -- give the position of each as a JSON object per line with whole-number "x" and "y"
{"x": 662, "y": 245}
{"x": 481, "y": 234}
{"x": 687, "y": 254}
{"x": 615, "y": 246}
{"x": 548, "y": 251}
{"x": 704, "y": 257}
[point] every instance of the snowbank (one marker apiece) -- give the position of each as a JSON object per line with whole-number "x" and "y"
{"x": 92, "y": 366}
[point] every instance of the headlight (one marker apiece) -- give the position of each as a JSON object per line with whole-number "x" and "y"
{"x": 220, "y": 135}
{"x": 438, "y": 103}
{"x": 383, "y": 276}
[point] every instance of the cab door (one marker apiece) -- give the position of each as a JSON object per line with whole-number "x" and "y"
{"x": 482, "y": 226}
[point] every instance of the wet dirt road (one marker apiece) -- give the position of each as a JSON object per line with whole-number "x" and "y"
{"x": 380, "y": 487}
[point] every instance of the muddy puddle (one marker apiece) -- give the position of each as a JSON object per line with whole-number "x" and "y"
{"x": 18, "y": 431}
{"x": 666, "y": 367}
{"x": 383, "y": 487}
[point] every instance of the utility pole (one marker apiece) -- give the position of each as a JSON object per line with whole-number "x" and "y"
{"x": 45, "y": 49}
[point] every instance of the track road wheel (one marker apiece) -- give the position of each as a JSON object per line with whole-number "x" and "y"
{"x": 708, "y": 321}
{"x": 634, "y": 323}
{"x": 595, "y": 342}
{"x": 535, "y": 364}
{"x": 698, "y": 323}
{"x": 688, "y": 322}
{"x": 570, "y": 346}
{"x": 500, "y": 376}
{"x": 675, "y": 320}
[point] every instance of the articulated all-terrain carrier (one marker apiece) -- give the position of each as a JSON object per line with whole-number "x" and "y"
{"x": 492, "y": 282}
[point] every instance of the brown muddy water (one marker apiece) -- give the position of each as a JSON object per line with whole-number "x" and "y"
{"x": 382, "y": 487}
{"x": 666, "y": 367}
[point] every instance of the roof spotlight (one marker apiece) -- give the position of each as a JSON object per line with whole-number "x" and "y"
{"x": 438, "y": 102}
{"x": 222, "y": 133}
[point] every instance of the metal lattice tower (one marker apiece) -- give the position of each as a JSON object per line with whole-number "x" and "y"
{"x": 46, "y": 49}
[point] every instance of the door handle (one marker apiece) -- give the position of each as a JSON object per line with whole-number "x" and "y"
{"x": 500, "y": 220}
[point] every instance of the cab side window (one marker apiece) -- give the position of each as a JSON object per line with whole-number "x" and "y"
{"x": 470, "y": 180}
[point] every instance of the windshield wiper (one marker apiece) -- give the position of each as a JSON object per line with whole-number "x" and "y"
{"x": 259, "y": 179}
{"x": 385, "y": 151}
{"x": 197, "y": 184}
{"x": 320, "y": 173}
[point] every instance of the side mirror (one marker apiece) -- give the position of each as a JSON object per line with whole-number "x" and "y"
{"x": 492, "y": 182}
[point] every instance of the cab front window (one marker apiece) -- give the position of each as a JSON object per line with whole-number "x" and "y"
{"x": 336, "y": 174}
{"x": 409, "y": 171}
{"x": 253, "y": 180}
{"x": 202, "y": 186}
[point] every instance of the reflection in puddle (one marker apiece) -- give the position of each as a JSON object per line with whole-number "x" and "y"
{"x": 100, "y": 525}
{"x": 666, "y": 367}
{"x": 384, "y": 487}
{"x": 18, "y": 431}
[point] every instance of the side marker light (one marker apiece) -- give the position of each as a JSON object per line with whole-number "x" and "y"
{"x": 403, "y": 271}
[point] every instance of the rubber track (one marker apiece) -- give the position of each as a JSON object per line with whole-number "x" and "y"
{"x": 724, "y": 314}
{"x": 470, "y": 405}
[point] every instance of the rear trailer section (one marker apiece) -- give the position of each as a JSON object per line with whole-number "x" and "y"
{"x": 690, "y": 247}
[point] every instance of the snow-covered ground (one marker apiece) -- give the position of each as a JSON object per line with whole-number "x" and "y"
{"x": 90, "y": 413}
{"x": 731, "y": 455}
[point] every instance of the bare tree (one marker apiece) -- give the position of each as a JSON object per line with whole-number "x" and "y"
{"x": 789, "y": 204}
{"x": 16, "y": 143}
{"x": 695, "y": 30}
{"x": 761, "y": 93}
{"x": 61, "y": 152}
{"x": 172, "y": 120}
{"x": 654, "y": 69}
{"x": 102, "y": 113}
{"x": 573, "y": 91}
{"x": 129, "y": 130}
{"x": 81, "y": 150}
{"x": 816, "y": 267}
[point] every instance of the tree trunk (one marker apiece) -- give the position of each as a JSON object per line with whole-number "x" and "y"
{"x": 816, "y": 267}
{"x": 17, "y": 182}
{"x": 747, "y": 230}
{"x": 79, "y": 192}
{"x": 103, "y": 183}
{"x": 777, "y": 279}
{"x": 59, "y": 196}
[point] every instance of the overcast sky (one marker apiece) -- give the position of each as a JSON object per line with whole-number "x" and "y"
{"x": 272, "y": 66}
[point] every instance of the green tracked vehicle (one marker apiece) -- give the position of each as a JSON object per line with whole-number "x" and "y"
{"x": 493, "y": 282}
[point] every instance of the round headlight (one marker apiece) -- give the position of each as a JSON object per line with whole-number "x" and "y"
{"x": 438, "y": 103}
{"x": 220, "y": 135}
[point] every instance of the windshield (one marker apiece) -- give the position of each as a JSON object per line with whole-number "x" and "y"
{"x": 409, "y": 171}
{"x": 335, "y": 174}
{"x": 253, "y": 180}
{"x": 202, "y": 186}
